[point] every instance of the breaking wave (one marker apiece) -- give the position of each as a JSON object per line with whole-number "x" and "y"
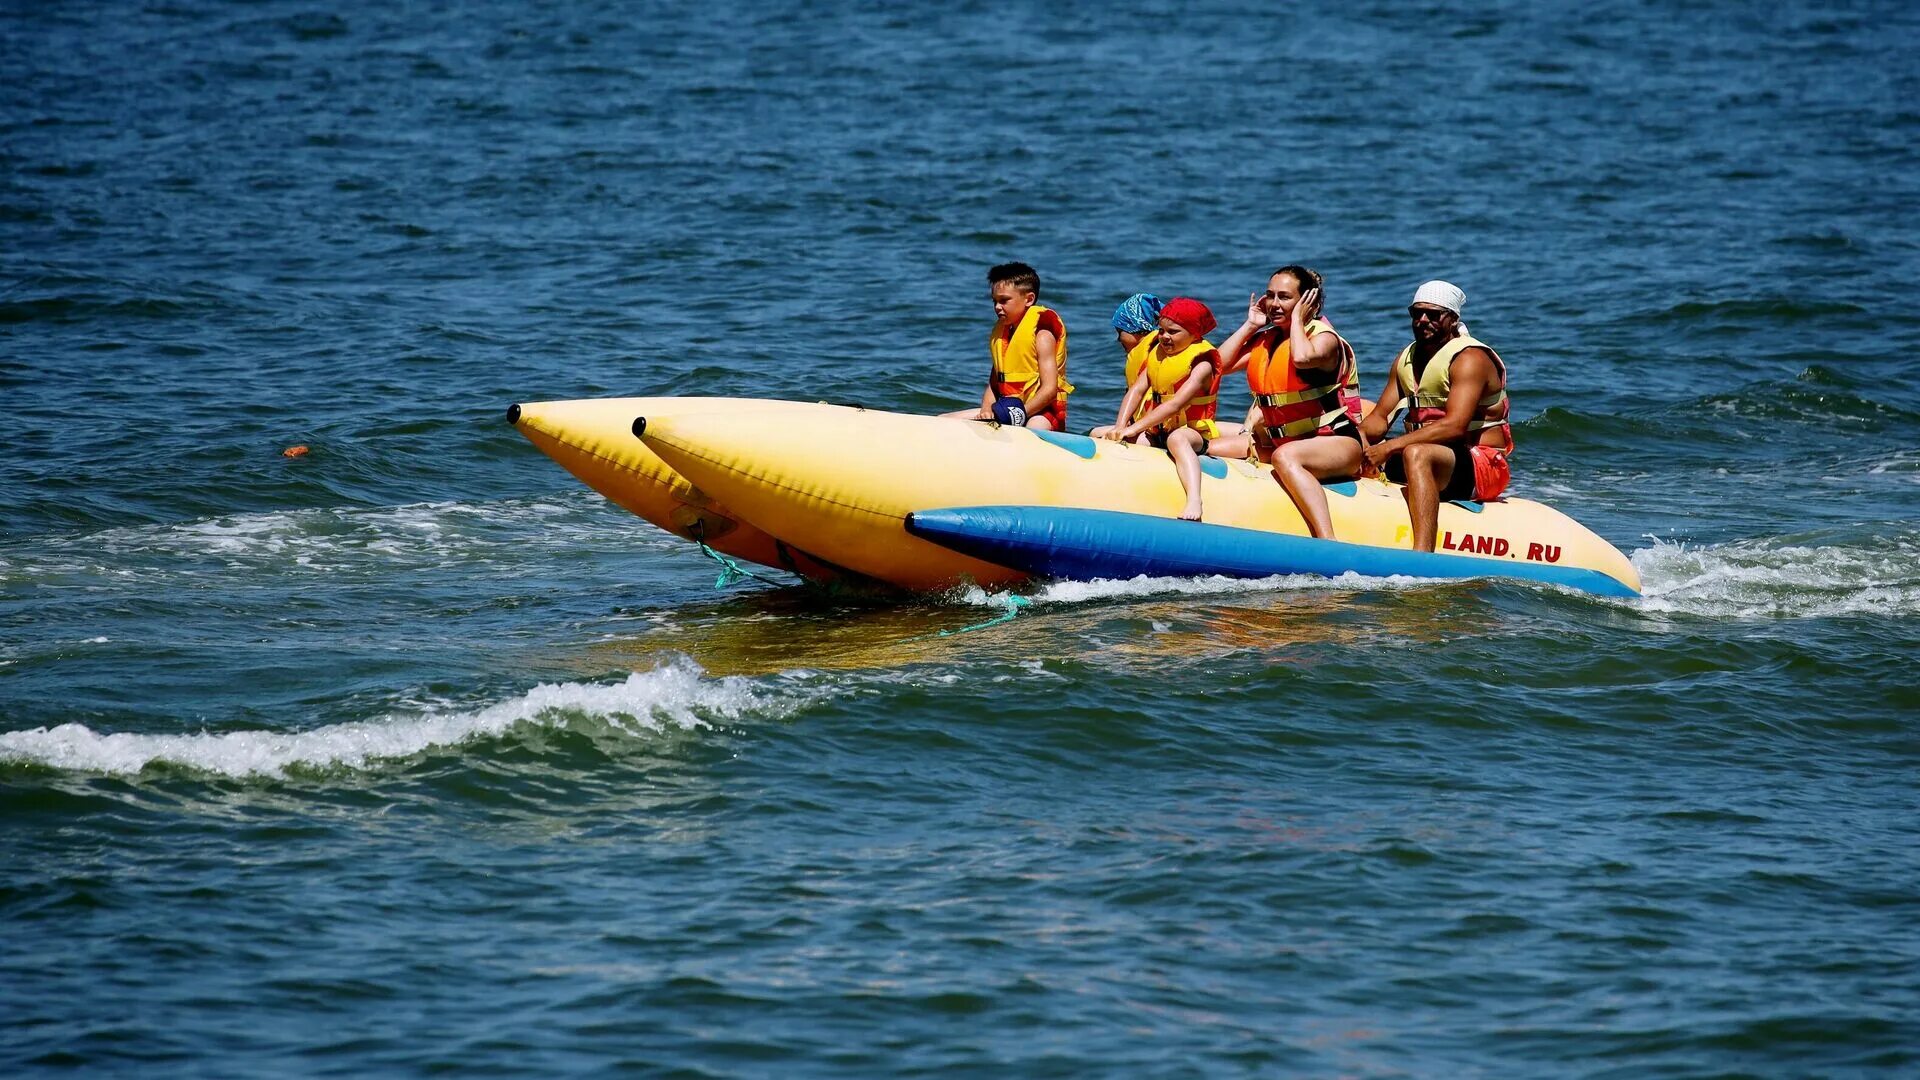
{"x": 676, "y": 695}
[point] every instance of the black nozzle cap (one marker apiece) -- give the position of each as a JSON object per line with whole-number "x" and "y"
{"x": 513, "y": 414}
{"x": 639, "y": 427}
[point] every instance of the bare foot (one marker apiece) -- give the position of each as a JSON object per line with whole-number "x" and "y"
{"x": 1191, "y": 513}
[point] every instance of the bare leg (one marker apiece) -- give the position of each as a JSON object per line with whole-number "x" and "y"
{"x": 963, "y": 414}
{"x": 1184, "y": 447}
{"x": 1260, "y": 445}
{"x": 1429, "y": 467}
{"x": 1234, "y": 446}
{"x": 1040, "y": 423}
{"x": 1300, "y": 466}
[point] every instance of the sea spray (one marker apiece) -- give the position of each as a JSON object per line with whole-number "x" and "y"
{"x": 1806, "y": 576}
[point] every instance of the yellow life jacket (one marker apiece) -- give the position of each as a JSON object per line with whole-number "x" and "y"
{"x": 1425, "y": 401}
{"x": 1137, "y": 359}
{"x": 1016, "y": 360}
{"x": 1166, "y": 373}
{"x": 1350, "y": 386}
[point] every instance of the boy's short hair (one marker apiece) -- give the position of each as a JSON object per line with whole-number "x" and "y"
{"x": 1017, "y": 274}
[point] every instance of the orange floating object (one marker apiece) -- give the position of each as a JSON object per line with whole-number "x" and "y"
{"x": 294, "y": 451}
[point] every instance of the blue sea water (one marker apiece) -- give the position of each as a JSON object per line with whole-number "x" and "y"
{"x": 411, "y": 755}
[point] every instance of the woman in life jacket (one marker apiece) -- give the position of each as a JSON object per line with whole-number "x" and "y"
{"x": 1306, "y": 389}
{"x": 1181, "y": 374}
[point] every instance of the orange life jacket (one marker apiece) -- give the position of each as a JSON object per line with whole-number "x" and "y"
{"x": 1296, "y": 403}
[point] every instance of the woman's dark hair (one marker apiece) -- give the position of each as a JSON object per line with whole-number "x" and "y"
{"x": 1307, "y": 277}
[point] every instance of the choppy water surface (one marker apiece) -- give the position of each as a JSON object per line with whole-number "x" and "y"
{"x": 411, "y": 755}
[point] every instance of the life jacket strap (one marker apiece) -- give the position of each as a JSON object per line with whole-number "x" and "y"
{"x": 1290, "y": 397}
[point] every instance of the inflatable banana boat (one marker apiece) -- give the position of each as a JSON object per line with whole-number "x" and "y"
{"x": 925, "y": 503}
{"x": 593, "y": 439}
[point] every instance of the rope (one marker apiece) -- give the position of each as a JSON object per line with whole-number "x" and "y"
{"x": 1014, "y": 604}
{"x": 730, "y": 570}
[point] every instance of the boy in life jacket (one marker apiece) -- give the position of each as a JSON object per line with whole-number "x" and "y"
{"x": 1182, "y": 375}
{"x": 1453, "y": 390}
{"x": 1028, "y": 382}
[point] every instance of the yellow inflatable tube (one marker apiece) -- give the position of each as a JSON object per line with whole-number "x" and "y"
{"x": 841, "y": 481}
{"x": 593, "y": 439}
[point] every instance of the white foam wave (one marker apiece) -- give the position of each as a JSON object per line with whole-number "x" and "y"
{"x": 677, "y": 694}
{"x": 334, "y": 540}
{"x": 1080, "y": 592}
{"x": 1808, "y": 577}
{"x": 1780, "y": 578}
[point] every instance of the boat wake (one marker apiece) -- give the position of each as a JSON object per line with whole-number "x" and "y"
{"x": 1142, "y": 587}
{"x": 676, "y": 695}
{"x": 325, "y": 542}
{"x": 1808, "y": 575}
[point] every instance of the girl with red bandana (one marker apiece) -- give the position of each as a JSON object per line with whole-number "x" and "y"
{"x": 1182, "y": 375}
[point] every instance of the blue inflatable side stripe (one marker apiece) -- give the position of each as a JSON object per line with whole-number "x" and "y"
{"x": 1083, "y": 545}
{"x": 1078, "y": 445}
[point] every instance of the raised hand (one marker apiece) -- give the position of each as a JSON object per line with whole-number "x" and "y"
{"x": 1308, "y": 307}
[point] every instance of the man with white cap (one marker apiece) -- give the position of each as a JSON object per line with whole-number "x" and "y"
{"x": 1453, "y": 390}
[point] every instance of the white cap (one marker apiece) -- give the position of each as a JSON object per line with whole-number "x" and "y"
{"x": 1441, "y": 294}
